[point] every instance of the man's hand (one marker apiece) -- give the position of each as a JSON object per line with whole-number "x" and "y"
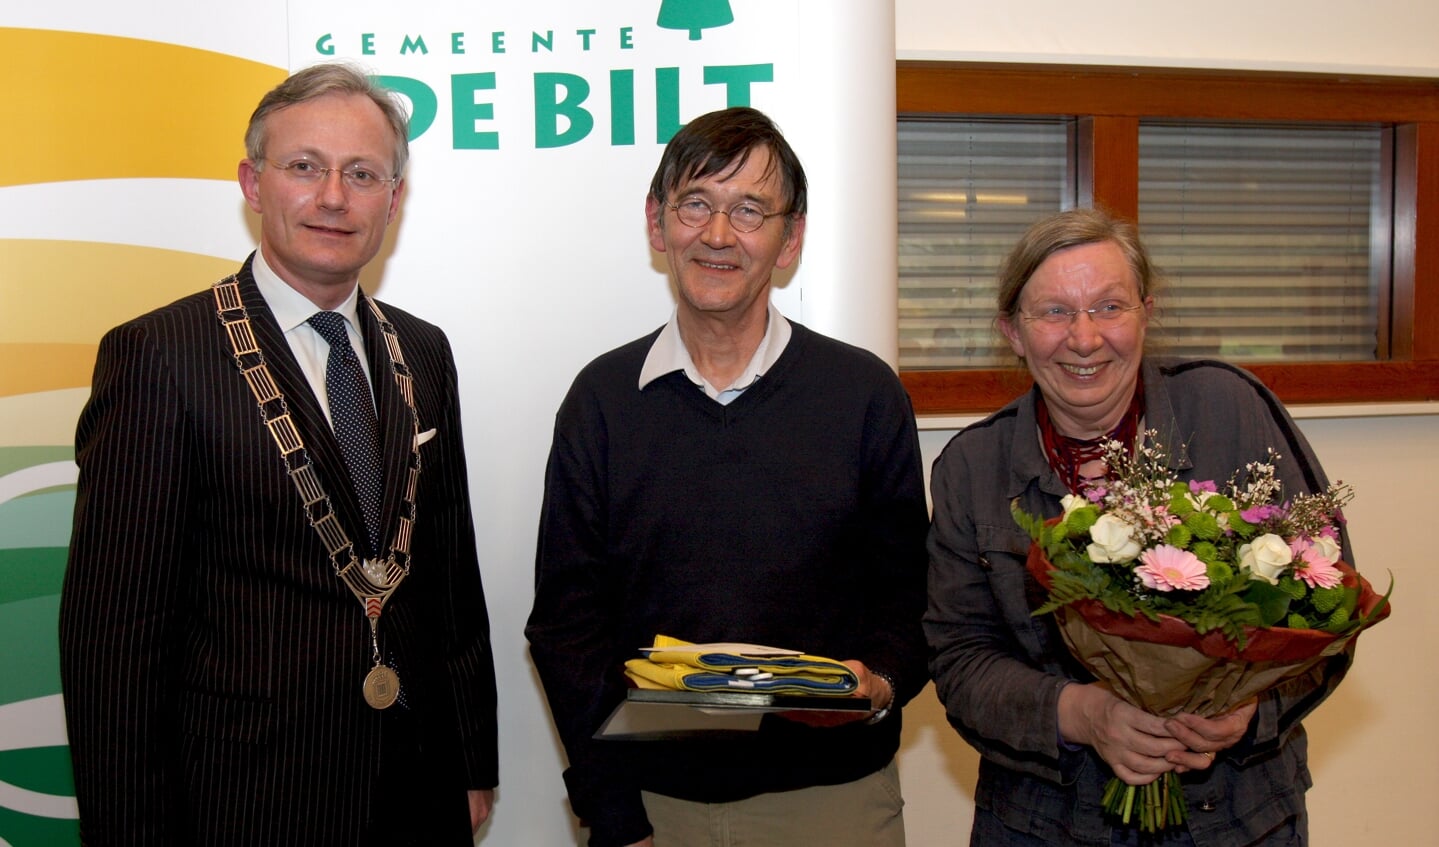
{"x": 876, "y": 688}
{"x": 482, "y": 800}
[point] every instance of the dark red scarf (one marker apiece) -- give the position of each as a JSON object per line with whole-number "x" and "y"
{"x": 1067, "y": 455}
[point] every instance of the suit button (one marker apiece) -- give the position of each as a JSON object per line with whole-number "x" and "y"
{"x": 1206, "y": 806}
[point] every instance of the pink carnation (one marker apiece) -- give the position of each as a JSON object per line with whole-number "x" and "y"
{"x": 1167, "y": 568}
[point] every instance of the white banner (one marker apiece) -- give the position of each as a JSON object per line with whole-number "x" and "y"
{"x": 537, "y": 127}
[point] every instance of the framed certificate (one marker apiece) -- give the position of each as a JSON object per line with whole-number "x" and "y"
{"x": 648, "y": 714}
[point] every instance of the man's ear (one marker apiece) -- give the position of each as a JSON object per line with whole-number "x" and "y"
{"x": 249, "y": 177}
{"x": 655, "y": 222}
{"x": 794, "y": 240}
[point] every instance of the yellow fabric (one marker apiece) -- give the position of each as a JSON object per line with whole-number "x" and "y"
{"x": 683, "y": 666}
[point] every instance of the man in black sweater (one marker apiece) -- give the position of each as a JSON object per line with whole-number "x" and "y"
{"x": 733, "y": 476}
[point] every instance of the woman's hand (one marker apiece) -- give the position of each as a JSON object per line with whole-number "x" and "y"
{"x": 1135, "y": 744}
{"x": 1204, "y": 738}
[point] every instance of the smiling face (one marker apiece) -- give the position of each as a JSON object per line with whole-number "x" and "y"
{"x": 1086, "y": 369}
{"x": 317, "y": 236}
{"x": 720, "y": 273}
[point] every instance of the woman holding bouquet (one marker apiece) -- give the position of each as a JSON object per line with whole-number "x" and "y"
{"x": 1075, "y": 303}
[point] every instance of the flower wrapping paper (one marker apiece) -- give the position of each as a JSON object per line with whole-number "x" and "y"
{"x": 1167, "y": 667}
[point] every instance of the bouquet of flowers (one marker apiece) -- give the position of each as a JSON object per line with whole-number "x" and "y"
{"x": 1187, "y": 598}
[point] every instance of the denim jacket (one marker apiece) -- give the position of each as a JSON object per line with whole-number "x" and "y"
{"x": 998, "y": 670}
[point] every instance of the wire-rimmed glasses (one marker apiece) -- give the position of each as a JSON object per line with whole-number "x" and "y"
{"x": 743, "y": 217}
{"x": 357, "y": 178}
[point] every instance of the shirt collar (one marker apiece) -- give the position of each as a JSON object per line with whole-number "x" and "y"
{"x": 291, "y": 308}
{"x": 668, "y": 354}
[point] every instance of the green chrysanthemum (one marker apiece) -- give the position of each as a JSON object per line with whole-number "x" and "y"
{"x": 1327, "y": 600}
{"x": 1203, "y": 525}
{"x": 1179, "y": 536}
{"x": 1219, "y": 503}
{"x": 1219, "y": 573}
{"x": 1080, "y": 521}
{"x": 1293, "y": 587}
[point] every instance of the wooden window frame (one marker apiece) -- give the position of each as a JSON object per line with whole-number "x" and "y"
{"x": 1109, "y": 103}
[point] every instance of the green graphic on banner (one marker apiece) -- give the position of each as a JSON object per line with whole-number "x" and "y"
{"x": 695, "y": 15}
{"x": 37, "y": 497}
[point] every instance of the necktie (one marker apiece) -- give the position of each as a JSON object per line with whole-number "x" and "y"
{"x": 352, "y": 414}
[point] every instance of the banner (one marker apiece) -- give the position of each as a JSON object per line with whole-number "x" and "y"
{"x": 535, "y": 130}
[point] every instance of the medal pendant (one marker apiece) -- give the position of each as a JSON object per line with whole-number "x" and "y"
{"x": 382, "y": 687}
{"x": 374, "y": 570}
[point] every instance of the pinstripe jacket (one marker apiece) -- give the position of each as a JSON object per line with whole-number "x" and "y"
{"x": 211, "y": 660}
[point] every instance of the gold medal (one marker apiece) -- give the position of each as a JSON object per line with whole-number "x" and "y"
{"x": 382, "y": 687}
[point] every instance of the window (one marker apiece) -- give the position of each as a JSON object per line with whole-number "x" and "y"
{"x": 1352, "y": 162}
{"x": 1273, "y": 238}
{"x": 967, "y": 189}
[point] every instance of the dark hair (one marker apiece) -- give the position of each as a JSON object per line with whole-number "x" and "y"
{"x": 1071, "y": 228}
{"x": 721, "y": 142}
{"x": 317, "y": 81}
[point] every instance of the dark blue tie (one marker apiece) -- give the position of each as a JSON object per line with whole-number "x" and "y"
{"x": 352, "y": 414}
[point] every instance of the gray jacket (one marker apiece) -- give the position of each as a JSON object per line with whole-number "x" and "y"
{"x": 998, "y": 670}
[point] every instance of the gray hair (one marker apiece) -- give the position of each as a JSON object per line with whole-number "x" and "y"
{"x": 318, "y": 81}
{"x": 1060, "y": 231}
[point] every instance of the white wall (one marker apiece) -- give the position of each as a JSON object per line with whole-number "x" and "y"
{"x": 1394, "y": 37}
{"x": 1374, "y": 748}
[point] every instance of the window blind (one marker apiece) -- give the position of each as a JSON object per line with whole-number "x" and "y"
{"x": 1271, "y": 237}
{"x": 967, "y": 190}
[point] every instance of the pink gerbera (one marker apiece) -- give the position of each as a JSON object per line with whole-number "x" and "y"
{"x": 1166, "y": 568}
{"x": 1313, "y": 566}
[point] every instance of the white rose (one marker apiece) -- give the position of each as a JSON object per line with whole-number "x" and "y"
{"x": 1072, "y": 502}
{"x": 1326, "y": 547}
{"x": 1266, "y": 557}
{"x": 1113, "y": 541}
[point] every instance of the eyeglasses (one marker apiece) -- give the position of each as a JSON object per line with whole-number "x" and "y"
{"x": 743, "y": 217}
{"x": 1104, "y": 313}
{"x": 357, "y": 178}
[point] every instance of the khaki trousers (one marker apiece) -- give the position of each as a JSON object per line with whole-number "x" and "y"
{"x": 865, "y": 813}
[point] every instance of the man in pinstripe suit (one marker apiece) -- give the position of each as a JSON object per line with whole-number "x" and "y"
{"x": 245, "y": 659}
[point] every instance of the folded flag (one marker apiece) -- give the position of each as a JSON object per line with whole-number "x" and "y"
{"x": 681, "y": 666}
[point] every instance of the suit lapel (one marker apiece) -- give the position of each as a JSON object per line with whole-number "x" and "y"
{"x": 396, "y": 423}
{"x": 305, "y": 410}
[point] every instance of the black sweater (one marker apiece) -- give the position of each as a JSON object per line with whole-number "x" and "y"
{"x": 795, "y": 516}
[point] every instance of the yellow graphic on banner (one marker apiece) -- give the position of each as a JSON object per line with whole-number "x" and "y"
{"x": 102, "y": 107}
{"x": 47, "y": 340}
{"x": 84, "y": 107}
